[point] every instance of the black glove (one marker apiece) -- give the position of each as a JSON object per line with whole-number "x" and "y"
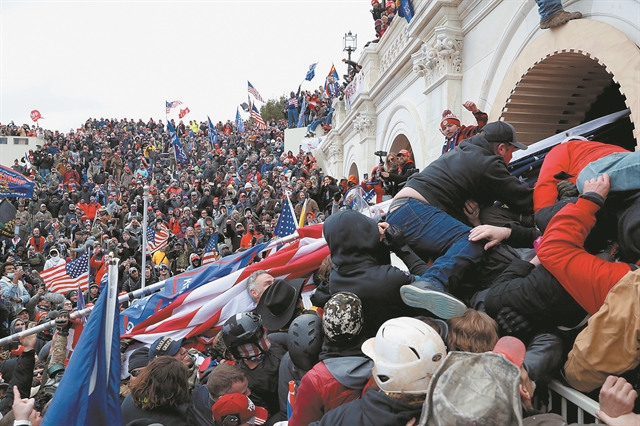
{"x": 394, "y": 237}
{"x": 511, "y": 323}
{"x": 62, "y": 323}
{"x": 566, "y": 189}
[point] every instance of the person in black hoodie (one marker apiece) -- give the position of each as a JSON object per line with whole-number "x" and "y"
{"x": 362, "y": 265}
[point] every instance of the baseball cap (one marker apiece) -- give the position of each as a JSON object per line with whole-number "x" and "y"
{"x": 404, "y": 153}
{"x": 512, "y": 348}
{"x": 501, "y": 131}
{"x": 164, "y": 346}
{"x": 240, "y": 406}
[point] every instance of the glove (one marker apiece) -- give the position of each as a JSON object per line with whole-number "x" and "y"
{"x": 511, "y": 323}
{"x": 566, "y": 189}
{"x": 62, "y": 323}
{"x": 394, "y": 237}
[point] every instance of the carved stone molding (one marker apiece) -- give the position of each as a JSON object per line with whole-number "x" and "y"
{"x": 365, "y": 125}
{"x": 393, "y": 50}
{"x": 440, "y": 57}
{"x": 335, "y": 151}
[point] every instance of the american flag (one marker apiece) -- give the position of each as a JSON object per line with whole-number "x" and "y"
{"x": 287, "y": 223}
{"x": 293, "y": 101}
{"x": 254, "y": 92}
{"x": 67, "y": 277}
{"x": 184, "y": 112}
{"x": 157, "y": 239}
{"x": 209, "y": 255}
{"x": 255, "y": 114}
{"x": 172, "y": 105}
{"x": 368, "y": 196}
{"x": 202, "y": 311}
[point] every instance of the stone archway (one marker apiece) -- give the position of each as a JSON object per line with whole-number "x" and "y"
{"x": 353, "y": 170}
{"x": 557, "y": 78}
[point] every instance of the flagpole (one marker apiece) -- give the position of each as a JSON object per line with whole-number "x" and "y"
{"x": 144, "y": 236}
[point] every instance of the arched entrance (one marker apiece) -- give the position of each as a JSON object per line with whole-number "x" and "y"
{"x": 562, "y": 91}
{"x": 402, "y": 142}
{"x": 353, "y": 170}
{"x": 569, "y": 76}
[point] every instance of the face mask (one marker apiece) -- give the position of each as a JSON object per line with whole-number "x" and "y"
{"x": 11, "y": 275}
{"x": 17, "y": 329}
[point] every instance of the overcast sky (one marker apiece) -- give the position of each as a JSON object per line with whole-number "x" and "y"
{"x": 78, "y": 59}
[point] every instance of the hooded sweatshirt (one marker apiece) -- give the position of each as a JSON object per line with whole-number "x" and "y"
{"x": 361, "y": 265}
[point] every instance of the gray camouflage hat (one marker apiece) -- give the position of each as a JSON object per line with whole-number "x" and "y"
{"x": 473, "y": 389}
{"x": 342, "y": 319}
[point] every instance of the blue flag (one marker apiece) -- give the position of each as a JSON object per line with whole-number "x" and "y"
{"x": 239, "y": 122}
{"x": 213, "y": 135}
{"x": 312, "y": 72}
{"x": 406, "y": 10}
{"x": 14, "y": 184}
{"x": 181, "y": 156}
{"x": 141, "y": 309}
{"x": 89, "y": 391}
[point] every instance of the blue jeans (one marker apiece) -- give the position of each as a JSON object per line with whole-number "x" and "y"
{"x": 548, "y": 8}
{"x": 44, "y": 173}
{"x": 623, "y": 169}
{"x": 292, "y": 114}
{"x": 429, "y": 230}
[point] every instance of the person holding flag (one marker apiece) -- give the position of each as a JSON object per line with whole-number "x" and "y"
{"x": 292, "y": 108}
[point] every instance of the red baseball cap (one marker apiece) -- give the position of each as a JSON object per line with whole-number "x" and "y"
{"x": 239, "y": 405}
{"x": 512, "y": 348}
{"x": 404, "y": 152}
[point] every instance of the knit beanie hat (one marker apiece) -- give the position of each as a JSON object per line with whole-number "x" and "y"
{"x": 448, "y": 118}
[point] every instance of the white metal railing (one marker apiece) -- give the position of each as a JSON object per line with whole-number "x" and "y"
{"x": 573, "y": 404}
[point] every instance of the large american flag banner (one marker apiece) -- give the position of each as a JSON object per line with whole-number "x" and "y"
{"x": 202, "y": 311}
{"x": 67, "y": 277}
{"x": 255, "y": 114}
{"x": 254, "y": 92}
{"x": 172, "y": 105}
{"x": 209, "y": 255}
{"x": 157, "y": 238}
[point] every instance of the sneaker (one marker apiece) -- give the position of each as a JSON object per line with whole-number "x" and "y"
{"x": 559, "y": 18}
{"x": 426, "y": 295}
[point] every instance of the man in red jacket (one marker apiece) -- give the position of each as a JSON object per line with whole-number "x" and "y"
{"x": 609, "y": 291}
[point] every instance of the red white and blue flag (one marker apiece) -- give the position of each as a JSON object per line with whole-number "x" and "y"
{"x": 255, "y": 114}
{"x": 287, "y": 223}
{"x": 172, "y": 105}
{"x": 64, "y": 278}
{"x": 202, "y": 311}
{"x": 254, "y": 92}
{"x": 209, "y": 255}
{"x": 157, "y": 238}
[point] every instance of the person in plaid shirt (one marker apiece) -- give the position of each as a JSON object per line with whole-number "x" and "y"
{"x": 453, "y": 132}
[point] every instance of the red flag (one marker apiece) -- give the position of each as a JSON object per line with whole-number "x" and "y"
{"x": 184, "y": 112}
{"x": 35, "y": 115}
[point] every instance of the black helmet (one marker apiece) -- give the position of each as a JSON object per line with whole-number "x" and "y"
{"x": 241, "y": 329}
{"x": 305, "y": 341}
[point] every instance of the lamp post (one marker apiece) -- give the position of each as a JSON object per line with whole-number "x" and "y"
{"x": 350, "y": 43}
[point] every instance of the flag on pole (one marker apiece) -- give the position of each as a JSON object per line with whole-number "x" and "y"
{"x": 303, "y": 213}
{"x": 255, "y": 114}
{"x": 157, "y": 238}
{"x": 184, "y": 112}
{"x": 181, "y": 156}
{"x": 172, "y": 105}
{"x": 213, "y": 135}
{"x": 405, "y": 9}
{"x": 254, "y": 92}
{"x": 35, "y": 115}
{"x": 331, "y": 85}
{"x": 209, "y": 256}
{"x": 148, "y": 310}
{"x": 64, "y": 278}
{"x": 14, "y": 184}
{"x": 239, "y": 122}
{"x": 89, "y": 390}
{"x": 287, "y": 223}
{"x": 198, "y": 312}
{"x": 368, "y": 196}
{"x": 312, "y": 72}
{"x": 291, "y": 399}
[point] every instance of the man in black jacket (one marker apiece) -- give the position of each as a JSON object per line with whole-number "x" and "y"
{"x": 429, "y": 209}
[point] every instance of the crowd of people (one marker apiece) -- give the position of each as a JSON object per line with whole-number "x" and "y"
{"x": 506, "y": 286}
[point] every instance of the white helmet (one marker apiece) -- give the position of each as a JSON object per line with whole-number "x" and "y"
{"x": 406, "y": 352}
